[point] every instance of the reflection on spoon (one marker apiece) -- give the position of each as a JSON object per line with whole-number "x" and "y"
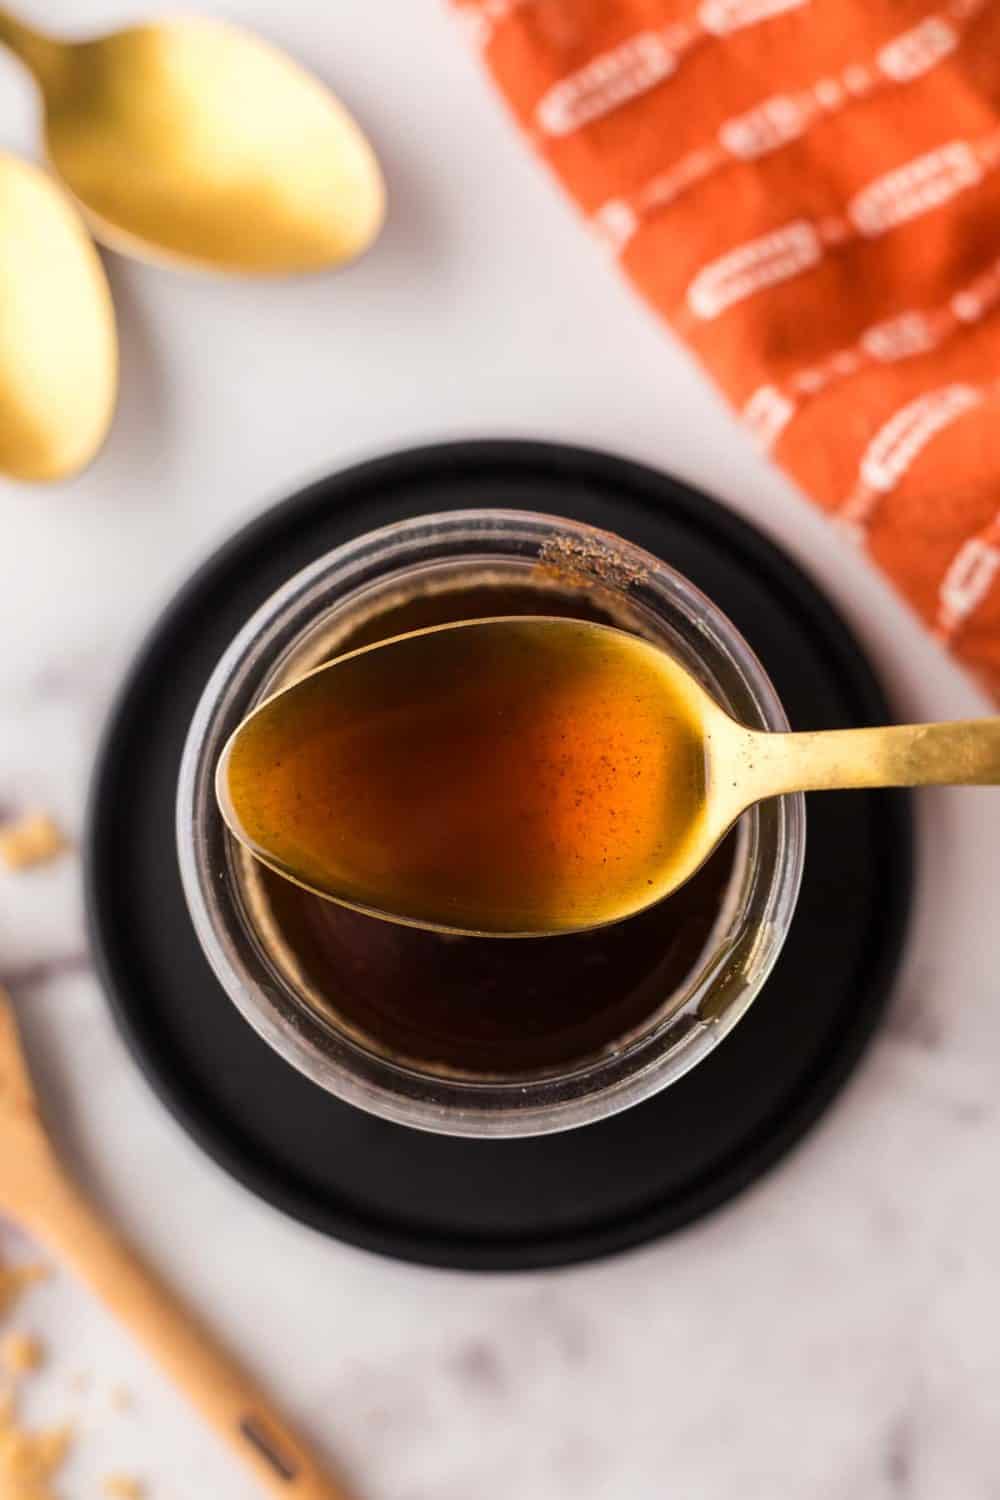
{"x": 58, "y": 343}
{"x": 520, "y": 777}
{"x": 193, "y": 142}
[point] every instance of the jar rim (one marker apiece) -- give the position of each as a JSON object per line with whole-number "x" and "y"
{"x": 719, "y": 994}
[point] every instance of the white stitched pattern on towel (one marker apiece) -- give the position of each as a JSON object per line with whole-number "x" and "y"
{"x": 605, "y": 83}
{"x": 893, "y": 199}
{"x": 776, "y": 121}
{"x": 767, "y": 127}
{"x": 767, "y": 414}
{"x": 722, "y": 17}
{"x": 635, "y": 66}
{"x": 968, "y": 580}
{"x": 917, "y": 51}
{"x": 897, "y": 445}
{"x": 908, "y": 335}
{"x": 921, "y": 185}
{"x": 763, "y": 262}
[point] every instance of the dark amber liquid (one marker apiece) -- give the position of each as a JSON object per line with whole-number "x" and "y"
{"x": 474, "y": 1004}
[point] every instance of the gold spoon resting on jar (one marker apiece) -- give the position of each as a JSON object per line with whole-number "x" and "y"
{"x": 525, "y": 777}
{"x": 192, "y": 142}
{"x": 58, "y": 341}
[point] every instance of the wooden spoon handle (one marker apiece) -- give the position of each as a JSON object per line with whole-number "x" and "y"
{"x": 214, "y": 1383}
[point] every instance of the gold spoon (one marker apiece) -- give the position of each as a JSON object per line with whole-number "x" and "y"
{"x": 58, "y": 343}
{"x": 193, "y": 142}
{"x": 524, "y": 777}
{"x": 36, "y": 1192}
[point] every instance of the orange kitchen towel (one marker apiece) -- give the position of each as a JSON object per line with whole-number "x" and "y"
{"x": 809, "y": 190}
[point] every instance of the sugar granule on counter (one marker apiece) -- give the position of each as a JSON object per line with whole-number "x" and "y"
{"x": 30, "y": 840}
{"x": 29, "y": 1461}
{"x": 21, "y": 1353}
{"x": 123, "y": 1487}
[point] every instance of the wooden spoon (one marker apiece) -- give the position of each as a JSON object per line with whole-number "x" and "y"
{"x": 193, "y": 142}
{"x": 35, "y": 1191}
{"x": 58, "y": 341}
{"x": 524, "y": 777}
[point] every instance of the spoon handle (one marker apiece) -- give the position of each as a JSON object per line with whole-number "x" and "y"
{"x": 41, "y": 54}
{"x": 212, "y": 1381}
{"x": 966, "y": 753}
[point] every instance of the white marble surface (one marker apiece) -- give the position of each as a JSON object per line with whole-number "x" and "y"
{"x": 833, "y": 1333}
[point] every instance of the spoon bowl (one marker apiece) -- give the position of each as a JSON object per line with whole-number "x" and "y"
{"x": 192, "y": 142}
{"x": 58, "y": 342}
{"x": 508, "y": 777}
{"x": 529, "y": 776}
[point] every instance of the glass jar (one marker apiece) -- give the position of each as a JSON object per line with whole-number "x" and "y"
{"x": 355, "y": 594}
